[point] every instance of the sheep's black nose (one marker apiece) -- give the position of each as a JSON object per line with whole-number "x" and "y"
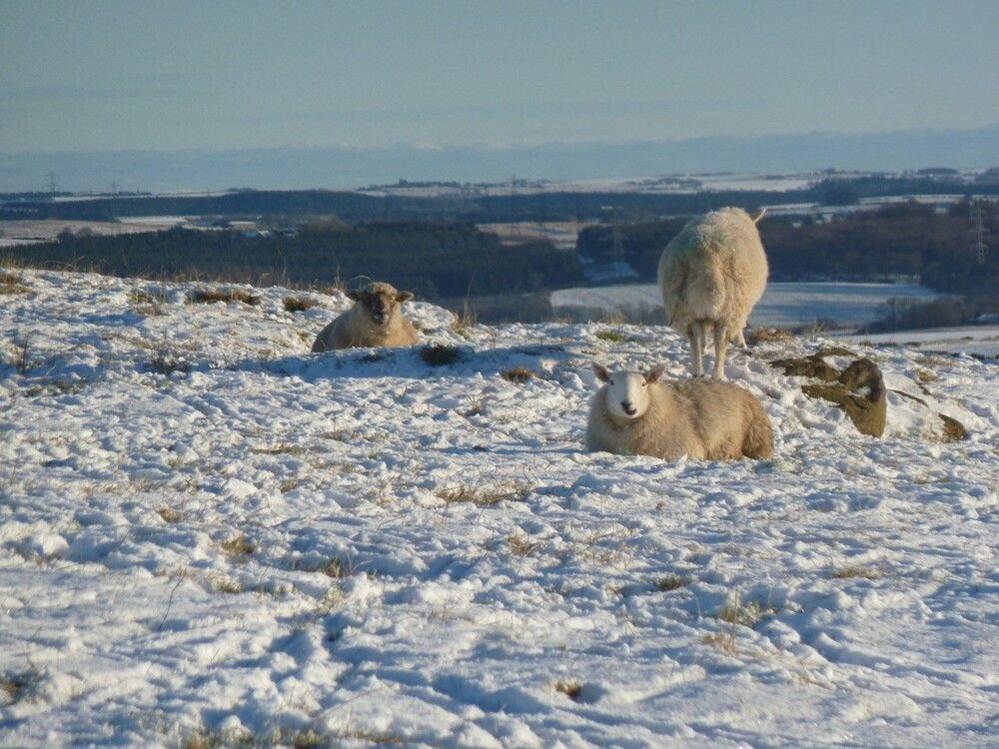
{"x": 628, "y": 408}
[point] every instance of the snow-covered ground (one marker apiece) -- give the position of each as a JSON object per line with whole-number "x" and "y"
{"x": 359, "y": 547}
{"x": 783, "y": 304}
{"x": 980, "y": 340}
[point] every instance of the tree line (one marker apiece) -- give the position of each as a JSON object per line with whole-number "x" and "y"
{"x": 431, "y": 259}
{"x": 909, "y": 239}
{"x": 551, "y": 206}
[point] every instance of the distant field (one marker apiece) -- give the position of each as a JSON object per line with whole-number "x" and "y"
{"x": 979, "y": 340}
{"x": 30, "y": 231}
{"x": 783, "y": 304}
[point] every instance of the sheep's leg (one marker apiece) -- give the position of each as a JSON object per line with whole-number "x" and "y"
{"x": 740, "y": 339}
{"x": 695, "y": 334}
{"x": 721, "y": 343}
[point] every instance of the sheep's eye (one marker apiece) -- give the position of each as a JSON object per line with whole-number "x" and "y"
{"x": 645, "y": 384}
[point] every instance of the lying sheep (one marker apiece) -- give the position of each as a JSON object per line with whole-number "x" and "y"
{"x": 636, "y": 414}
{"x": 375, "y": 320}
{"x": 712, "y": 274}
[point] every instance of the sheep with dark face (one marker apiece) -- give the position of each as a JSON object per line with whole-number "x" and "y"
{"x": 636, "y": 414}
{"x": 375, "y": 320}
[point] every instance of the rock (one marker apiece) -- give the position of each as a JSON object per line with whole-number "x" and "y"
{"x": 812, "y": 366}
{"x": 859, "y": 389}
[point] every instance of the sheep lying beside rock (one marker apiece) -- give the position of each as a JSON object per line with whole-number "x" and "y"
{"x": 711, "y": 275}
{"x": 375, "y": 320}
{"x": 636, "y": 414}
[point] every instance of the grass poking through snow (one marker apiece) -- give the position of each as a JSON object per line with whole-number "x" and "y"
{"x": 12, "y": 283}
{"x": 612, "y": 336}
{"x": 670, "y": 582}
{"x": 570, "y": 688}
{"x": 238, "y": 546}
{"x": 485, "y": 496}
{"x": 298, "y": 304}
{"x": 736, "y": 611}
{"x": 210, "y": 296}
{"x": 17, "y": 686}
{"x": 439, "y": 355}
{"x": 518, "y": 374}
{"x": 858, "y": 570}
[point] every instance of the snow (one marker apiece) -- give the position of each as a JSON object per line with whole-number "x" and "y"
{"x": 274, "y": 543}
{"x": 980, "y": 340}
{"x": 786, "y": 304}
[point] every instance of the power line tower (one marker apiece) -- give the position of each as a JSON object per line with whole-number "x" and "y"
{"x": 52, "y": 183}
{"x": 617, "y": 246}
{"x": 978, "y": 231}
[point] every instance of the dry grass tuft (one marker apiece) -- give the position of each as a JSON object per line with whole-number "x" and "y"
{"x": 226, "y": 585}
{"x": 298, "y": 304}
{"x": 280, "y": 449}
{"x": 204, "y": 738}
{"x": 336, "y": 568}
{"x": 15, "y": 686}
{"x": 238, "y": 546}
{"x": 723, "y": 641}
{"x": 734, "y": 611}
{"x": 518, "y": 374}
{"x": 148, "y": 302}
{"x": 169, "y": 514}
{"x": 522, "y": 546}
{"x": 210, "y": 296}
{"x": 670, "y": 582}
{"x": 12, "y": 283}
{"x": 365, "y": 736}
{"x": 756, "y": 336}
{"x": 440, "y": 355}
{"x": 485, "y": 496}
{"x": 613, "y": 336}
{"x": 476, "y": 407}
{"x": 463, "y": 323}
{"x": 570, "y": 688}
{"x": 858, "y": 570}
{"x": 165, "y": 362}
{"x": 21, "y": 358}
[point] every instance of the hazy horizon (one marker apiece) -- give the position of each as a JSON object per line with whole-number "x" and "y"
{"x": 248, "y": 75}
{"x": 347, "y": 168}
{"x": 194, "y": 95}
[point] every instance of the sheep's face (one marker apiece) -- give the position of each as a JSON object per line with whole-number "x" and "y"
{"x": 380, "y": 301}
{"x": 627, "y": 393}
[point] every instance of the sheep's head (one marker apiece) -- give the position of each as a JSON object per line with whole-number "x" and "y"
{"x": 380, "y": 300}
{"x": 625, "y": 393}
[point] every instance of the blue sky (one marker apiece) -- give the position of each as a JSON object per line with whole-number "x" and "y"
{"x": 82, "y": 76}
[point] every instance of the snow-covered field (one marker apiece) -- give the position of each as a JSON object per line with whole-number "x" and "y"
{"x": 981, "y": 340}
{"x": 358, "y": 547}
{"x": 783, "y": 304}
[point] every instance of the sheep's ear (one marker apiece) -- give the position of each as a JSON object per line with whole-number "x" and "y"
{"x": 603, "y": 374}
{"x": 403, "y": 296}
{"x": 353, "y": 294}
{"x": 655, "y": 373}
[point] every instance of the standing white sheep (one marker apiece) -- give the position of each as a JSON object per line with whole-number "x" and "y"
{"x": 636, "y": 414}
{"x": 712, "y": 274}
{"x": 375, "y": 320}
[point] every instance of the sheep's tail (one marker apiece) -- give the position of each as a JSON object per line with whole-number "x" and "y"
{"x": 760, "y": 215}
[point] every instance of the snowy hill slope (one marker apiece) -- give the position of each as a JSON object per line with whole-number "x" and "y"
{"x": 357, "y": 548}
